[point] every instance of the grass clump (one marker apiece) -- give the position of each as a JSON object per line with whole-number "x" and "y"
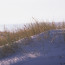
{"x": 8, "y": 37}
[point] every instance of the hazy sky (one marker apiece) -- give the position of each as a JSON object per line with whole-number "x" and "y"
{"x": 22, "y": 11}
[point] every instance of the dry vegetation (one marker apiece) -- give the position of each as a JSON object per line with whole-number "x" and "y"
{"x": 8, "y": 37}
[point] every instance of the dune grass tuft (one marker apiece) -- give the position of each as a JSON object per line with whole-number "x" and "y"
{"x": 8, "y": 37}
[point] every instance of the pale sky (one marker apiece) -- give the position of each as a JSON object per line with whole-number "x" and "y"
{"x": 22, "y": 11}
